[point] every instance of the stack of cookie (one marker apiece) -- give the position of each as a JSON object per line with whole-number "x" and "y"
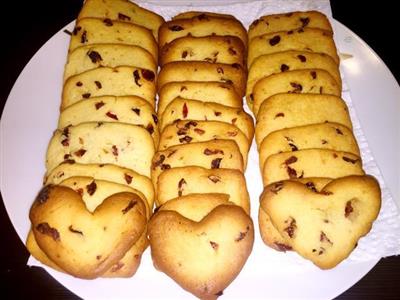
{"x": 317, "y": 200}
{"x": 202, "y": 234}
{"x": 99, "y": 158}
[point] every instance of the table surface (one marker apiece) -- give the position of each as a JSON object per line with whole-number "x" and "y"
{"x": 27, "y": 26}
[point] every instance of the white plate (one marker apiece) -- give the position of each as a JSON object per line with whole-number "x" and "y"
{"x": 30, "y": 115}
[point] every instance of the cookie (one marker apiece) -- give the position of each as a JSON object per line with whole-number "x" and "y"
{"x": 307, "y": 39}
{"x": 215, "y": 49}
{"x": 203, "y": 255}
{"x": 207, "y": 91}
{"x": 201, "y": 14}
{"x": 82, "y": 243}
{"x": 270, "y": 236}
{"x": 183, "y": 109}
{"x": 325, "y": 136}
{"x": 121, "y": 144}
{"x": 290, "y": 60}
{"x": 89, "y": 31}
{"x": 324, "y": 226}
{"x": 107, "y": 55}
{"x": 128, "y": 109}
{"x": 105, "y": 81}
{"x": 178, "y": 182}
{"x": 215, "y": 154}
{"x": 107, "y": 172}
{"x": 201, "y": 25}
{"x": 125, "y": 267}
{"x": 308, "y": 81}
{"x": 184, "y": 132}
{"x": 203, "y": 71}
{"x": 292, "y": 110}
{"x": 122, "y": 10}
{"x": 289, "y": 21}
{"x": 310, "y": 163}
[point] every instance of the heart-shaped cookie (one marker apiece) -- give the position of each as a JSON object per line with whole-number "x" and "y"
{"x": 324, "y": 226}
{"x": 270, "y": 236}
{"x": 82, "y": 243}
{"x": 203, "y": 257}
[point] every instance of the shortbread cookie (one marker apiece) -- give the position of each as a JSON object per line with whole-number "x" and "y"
{"x": 307, "y": 39}
{"x": 122, "y": 10}
{"x": 177, "y": 182}
{"x": 125, "y": 267}
{"x": 289, "y": 21}
{"x": 325, "y": 136}
{"x": 215, "y": 154}
{"x": 292, "y": 110}
{"x": 270, "y": 236}
{"x": 290, "y": 60}
{"x": 60, "y": 220}
{"x": 309, "y": 81}
{"x": 183, "y": 109}
{"x": 215, "y": 49}
{"x": 324, "y": 226}
{"x": 124, "y": 145}
{"x": 129, "y": 109}
{"x": 208, "y": 91}
{"x": 106, "y": 172}
{"x": 107, "y": 55}
{"x": 89, "y": 31}
{"x": 203, "y": 71}
{"x": 310, "y": 163}
{"x": 201, "y": 25}
{"x": 105, "y": 81}
{"x": 184, "y": 132}
{"x": 200, "y": 14}
{"x": 212, "y": 249}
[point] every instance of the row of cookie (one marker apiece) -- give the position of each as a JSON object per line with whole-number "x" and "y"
{"x": 304, "y": 136}
{"x": 202, "y": 234}
{"x": 102, "y": 150}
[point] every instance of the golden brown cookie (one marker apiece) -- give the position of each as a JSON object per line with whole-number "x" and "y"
{"x": 324, "y": 226}
{"x": 124, "y": 11}
{"x": 203, "y": 71}
{"x": 86, "y": 244}
{"x": 185, "y": 132}
{"x": 201, "y": 25}
{"x": 304, "y": 39}
{"x": 215, "y": 49}
{"x": 306, "y": 81}
{"x": 210, "y": 154}
{"x": 292, "y": 110}
{"x": 106, "y": 81}
{"x": 206, "y": 91}
{"x": 125, "y": 145}
{"x": 125, "y": 109}
{"x": 184, "y": 109}
{"x": 310, "y": 163}
{"x": 289, "y": 21}
{"x": 177, "y": 182}
{"x": 270, "y": 236}
{"x": 202, "y": 255}
{"x": 331, "y": 136}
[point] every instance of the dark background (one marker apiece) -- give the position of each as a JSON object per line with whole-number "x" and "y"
{"x": 27, "y": 25}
